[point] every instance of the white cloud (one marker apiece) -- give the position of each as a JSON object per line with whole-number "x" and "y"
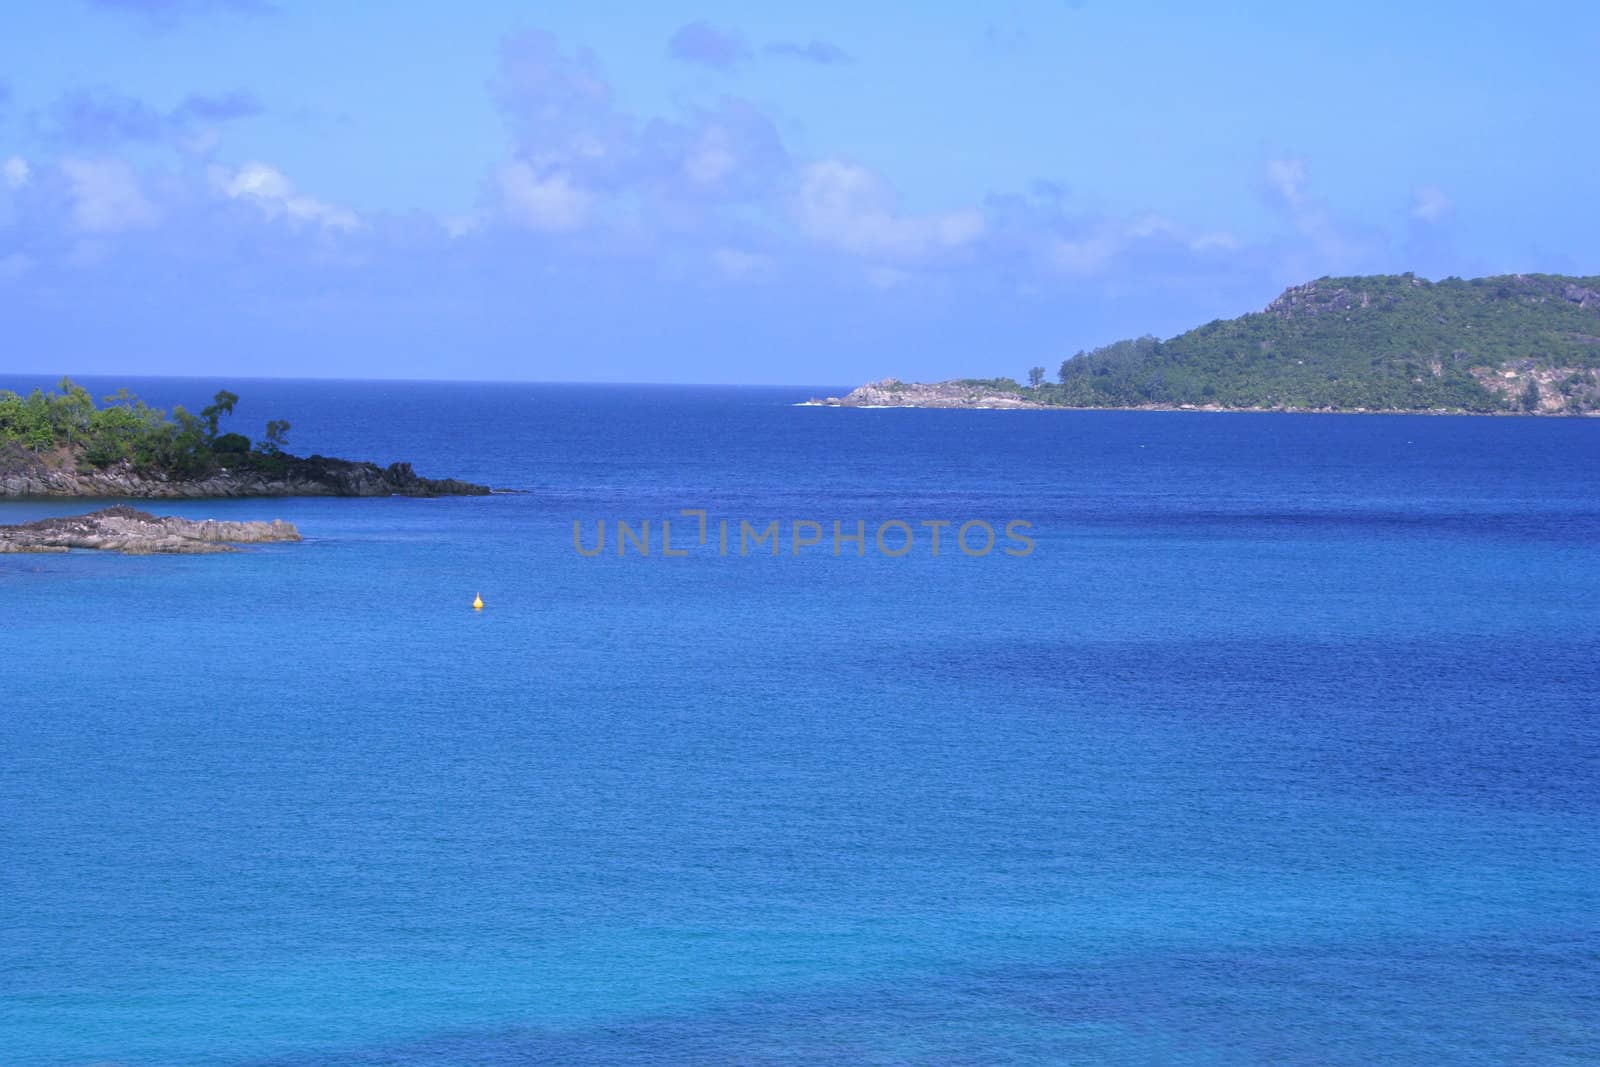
{"x": 106, "y": 196}
{"x": 460, "y": 225}
{"x": 551, "y": 202}
{"x": 268, "y": 188}
{"x": 15, "y": 172}
{"x": 1335, "y": 245}
{"x": 1091, "y": 252}
{"x": 711, "y": 159}
{"x": 1147, "y": 227}
{"x": 259, "y": 181}
{"x": 1086, "y": 255}
{"x": 887, "y": 277}
{"x": 1430, "y": 204}
{"x": 737, "y": 263}
{"x": 1287, "y": 177}
{"x": 852, "y": 208}
{"x": 1213, "y": 241}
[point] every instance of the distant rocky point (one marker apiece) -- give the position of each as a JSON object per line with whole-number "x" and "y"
{"x": 1519, "y": 344}
{"x": 963, "y": 393}
{"x": 123, "y": 529}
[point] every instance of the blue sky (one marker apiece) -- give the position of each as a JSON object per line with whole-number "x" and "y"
{"x": 719, "y": 192}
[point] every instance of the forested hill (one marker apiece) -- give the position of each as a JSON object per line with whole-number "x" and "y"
{"x": 1526, "y": 342}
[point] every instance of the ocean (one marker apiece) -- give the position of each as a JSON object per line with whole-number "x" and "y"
{"x": 1279, "y": 746}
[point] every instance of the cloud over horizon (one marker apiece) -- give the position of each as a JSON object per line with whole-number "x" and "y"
{"x": 693, "y": 214}
{"x": 106, "y": 196}
{"x": 276, "y": 196}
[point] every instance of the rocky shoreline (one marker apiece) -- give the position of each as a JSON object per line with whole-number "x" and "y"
{"x": 24, "y": 473}
{"x": 124, "y": 529}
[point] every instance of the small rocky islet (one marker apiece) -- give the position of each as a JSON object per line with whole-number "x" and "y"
{"x": 133, "y": 532}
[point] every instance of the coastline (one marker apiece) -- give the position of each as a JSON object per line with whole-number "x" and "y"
{"x": 1191, "y": 409}
{"x": 997, "y": 395}
{"x": 57, "y": 474}
{"x": 60, "y": 443}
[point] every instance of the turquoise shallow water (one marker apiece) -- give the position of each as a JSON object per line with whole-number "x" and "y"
{"x": 1280, "y": 748}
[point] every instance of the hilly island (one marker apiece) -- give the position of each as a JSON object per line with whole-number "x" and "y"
{"x": 1522, "y": 344}
{"x": 62, "y": 443}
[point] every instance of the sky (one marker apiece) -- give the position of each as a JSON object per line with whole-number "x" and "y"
{"x": 817, "y": 193}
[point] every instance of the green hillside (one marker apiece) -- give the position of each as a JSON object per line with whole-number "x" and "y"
{"x": 1526, "y": 342}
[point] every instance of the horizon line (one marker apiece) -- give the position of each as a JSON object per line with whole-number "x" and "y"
{"x": 414, "y": 381}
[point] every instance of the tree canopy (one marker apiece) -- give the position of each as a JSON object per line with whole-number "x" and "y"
{"x": 123, "y": 428}
{"x": 1390, "y": 342}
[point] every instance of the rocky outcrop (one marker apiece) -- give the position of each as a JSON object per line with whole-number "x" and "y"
{"x": 24, "y": 473}
{"x": 1583, "y": 295}
{"x": 122, "y": 529}
{"x": 966, "y": 393}
{"x": 1320, "y": 298}
{"x": 1330, "y": 296}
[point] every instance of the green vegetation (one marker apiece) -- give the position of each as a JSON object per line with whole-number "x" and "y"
{"x": 1001, "y": 385}
{"x": 1390, "y": 342}
{"x": 126, "y": 429}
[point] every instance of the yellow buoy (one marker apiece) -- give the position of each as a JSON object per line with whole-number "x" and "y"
{"x": 477, "y": 602}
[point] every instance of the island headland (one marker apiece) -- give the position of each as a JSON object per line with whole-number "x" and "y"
{"x": 123, "y": 529}
{"x": 62, "y": 444}
{"x": 1524, "y": 344}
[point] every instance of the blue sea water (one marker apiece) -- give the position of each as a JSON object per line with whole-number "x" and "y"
{"x": 1280, "y": 748}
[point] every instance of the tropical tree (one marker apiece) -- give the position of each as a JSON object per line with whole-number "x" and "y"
{"x": 222, "y": 405}
{"x": 72, "y": 411}
{"x": 277, "y": 437}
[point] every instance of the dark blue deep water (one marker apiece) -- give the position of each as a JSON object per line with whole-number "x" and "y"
{"x": 1281, "y": 747}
